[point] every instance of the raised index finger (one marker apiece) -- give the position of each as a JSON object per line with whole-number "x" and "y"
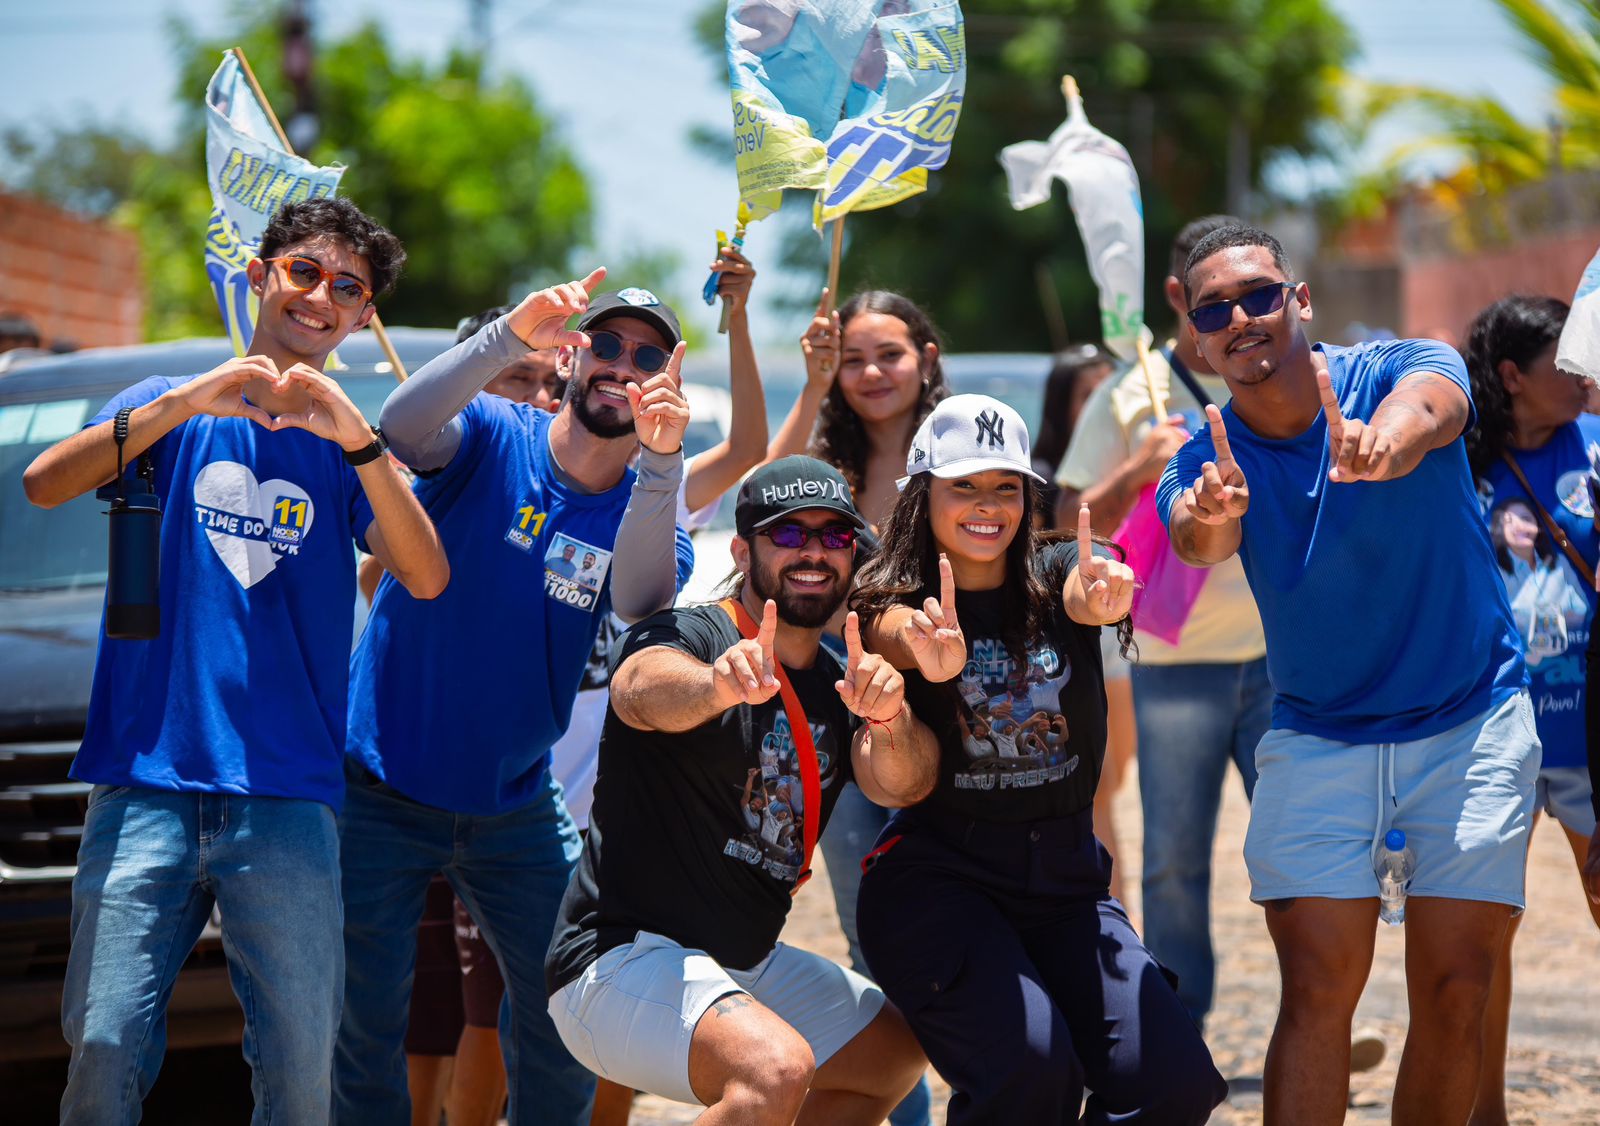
{"x": 596, "y": 276}
{"x": 947, "y": 591}
{"x": 1330, "y": 402}
{"x": 769, "y": 628}
{"x": 675, "y": 365}
{"x": 1085, "y": 536}
{"x": 1219, "y": 434}
{"x": 822, "y": 304}
{"x": 852, "y": 642}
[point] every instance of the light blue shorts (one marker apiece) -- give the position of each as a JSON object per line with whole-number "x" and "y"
{"x": 1564, "y": 793}
{"x": 1463, "y": 797}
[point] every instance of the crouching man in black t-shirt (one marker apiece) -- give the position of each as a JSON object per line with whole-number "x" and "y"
{"x": 724, "y": 749}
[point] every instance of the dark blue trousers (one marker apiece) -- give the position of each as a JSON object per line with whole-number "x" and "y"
{"x": 1023, "y": 979}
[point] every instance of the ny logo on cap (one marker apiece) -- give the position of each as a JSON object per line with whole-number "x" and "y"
{"x": 991, "y": 429}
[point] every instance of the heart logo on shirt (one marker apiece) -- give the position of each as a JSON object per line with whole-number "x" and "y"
{"x": 251, "y": 525}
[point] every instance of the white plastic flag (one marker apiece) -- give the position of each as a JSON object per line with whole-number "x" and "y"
{"x": 1579, "y": 348}
{"x": 1103, "y": 189}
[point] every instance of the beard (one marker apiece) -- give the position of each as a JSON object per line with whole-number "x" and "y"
{"x": 600, "y": 422}
{"x": 801, "y": 610}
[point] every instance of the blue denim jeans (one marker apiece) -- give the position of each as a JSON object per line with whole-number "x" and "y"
{"x": 150, "y": 867}
{"x": 1192, "y": 720}
{"x": 852, "y": 831}
{"x": 510, "y": 870}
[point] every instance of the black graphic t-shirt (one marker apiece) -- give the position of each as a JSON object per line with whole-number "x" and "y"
{"x": 1018, "y": 743}
{"x": 699, "y": 835}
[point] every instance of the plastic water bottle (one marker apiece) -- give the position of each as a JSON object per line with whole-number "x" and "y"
{"x": 1395, "y": 866}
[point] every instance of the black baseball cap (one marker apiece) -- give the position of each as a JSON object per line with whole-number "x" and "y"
{"x": 637, "y": 303}
{"x": 792, "y": 484}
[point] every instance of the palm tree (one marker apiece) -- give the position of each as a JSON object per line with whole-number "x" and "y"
{"x": 1497, "y": 149}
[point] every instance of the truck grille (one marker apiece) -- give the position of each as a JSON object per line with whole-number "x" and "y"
{"x": 41, "y": 812}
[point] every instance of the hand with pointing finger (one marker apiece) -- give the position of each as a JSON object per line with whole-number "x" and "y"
{"x": 1106, "y": 584}
{"x": 1357, "y": 451}
{"x": 820, "y": 344}
{"x": 871, "y": 687}
{"x": 660, "y": 412}
{"x": 747, "y": 671}
{"x": 540, "y": 321}
{"x": 1220, "y": 493}
{"x": 933, "y": 635}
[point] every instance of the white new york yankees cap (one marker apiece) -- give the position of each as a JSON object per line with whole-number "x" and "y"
{"x": 969, "y": 434}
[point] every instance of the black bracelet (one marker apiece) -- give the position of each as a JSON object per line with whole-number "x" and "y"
{"x": 368, "y": 453}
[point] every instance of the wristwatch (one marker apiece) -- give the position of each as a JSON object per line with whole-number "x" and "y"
{"x": 368, "y": 453}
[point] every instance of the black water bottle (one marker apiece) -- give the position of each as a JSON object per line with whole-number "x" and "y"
{"x": 133, "y": 577}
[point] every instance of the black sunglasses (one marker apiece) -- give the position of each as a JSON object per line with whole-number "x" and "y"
{"x": 1259, "y": 302}
{"x": 647, "y": 358}
{"x": 835, "y": 537}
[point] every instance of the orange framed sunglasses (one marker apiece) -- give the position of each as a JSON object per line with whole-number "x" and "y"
{"x": 307, "y": 273}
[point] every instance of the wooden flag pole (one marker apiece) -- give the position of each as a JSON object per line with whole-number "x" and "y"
{"x": 1157, "y": 404}
{"x": 833, "y": 263}
{"x": 283, "y": 139}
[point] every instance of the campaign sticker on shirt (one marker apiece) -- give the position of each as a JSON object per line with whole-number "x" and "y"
{"x": 526, "y": 523}
{"x": 1572, "y": 489}
{"x": 574, "y": 571}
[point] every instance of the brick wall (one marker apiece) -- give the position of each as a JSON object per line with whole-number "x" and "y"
{"x": 76, "y": 279}
{"x": 1441, "y": 295}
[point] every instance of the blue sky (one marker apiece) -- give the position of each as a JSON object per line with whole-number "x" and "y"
{"x": 627, "y": 73}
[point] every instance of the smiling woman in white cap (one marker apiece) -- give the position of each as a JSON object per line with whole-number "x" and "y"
{"x": 984, "y": 911}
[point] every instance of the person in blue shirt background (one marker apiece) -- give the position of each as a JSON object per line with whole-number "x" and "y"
{"x": 216, "y": 748}
{"x": 448, "y": 759}
{"x": 1532, "y": 427}
{"x": 1401, "y": 693}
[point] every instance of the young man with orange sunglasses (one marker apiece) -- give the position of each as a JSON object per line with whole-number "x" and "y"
{"x": 216, "y": 747}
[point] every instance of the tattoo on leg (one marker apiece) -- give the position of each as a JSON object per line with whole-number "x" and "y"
{"x": 731, "y": 1003}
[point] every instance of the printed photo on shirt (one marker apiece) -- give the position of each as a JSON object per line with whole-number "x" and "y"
{"x": 1013, "y": 736}
{"x": 1547, "y": 598}
{"x": 773, "y": 802}
{"x": 574, "y": 571}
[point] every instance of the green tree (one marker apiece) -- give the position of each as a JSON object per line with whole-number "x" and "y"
{"x": 1175, "y": 80}
{"x": 468, "y": 172}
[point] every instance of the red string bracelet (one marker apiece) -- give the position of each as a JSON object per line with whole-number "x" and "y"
{"x": 884, "y": 723}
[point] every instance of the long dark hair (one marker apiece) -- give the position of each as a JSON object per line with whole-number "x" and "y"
{"x": 906, "y": 570}
{"x": 1055, "y": 428}
{"x": 1515, "y": 328}
{"x": 840, "y": 438}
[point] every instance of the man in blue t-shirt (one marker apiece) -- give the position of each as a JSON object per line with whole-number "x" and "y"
{"x": 216, "y": 747}
{"x": 455, "y": 703}
{"x": 1339, "y": 477}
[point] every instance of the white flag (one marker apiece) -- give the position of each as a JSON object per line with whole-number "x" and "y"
{"x": 1103, "y": 189}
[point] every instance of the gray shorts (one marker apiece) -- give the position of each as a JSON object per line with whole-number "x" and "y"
{"x": 630, "y": 1016}
{"x": 1463, "y": 797}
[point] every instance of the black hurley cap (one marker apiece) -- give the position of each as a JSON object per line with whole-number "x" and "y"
{"x": 792, "y": 484}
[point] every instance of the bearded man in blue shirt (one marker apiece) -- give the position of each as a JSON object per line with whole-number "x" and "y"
{"x": 456, "y": 703}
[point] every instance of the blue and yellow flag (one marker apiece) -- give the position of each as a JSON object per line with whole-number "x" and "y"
{"x": 251, "y": 176}
{"x": 857, "y": 99}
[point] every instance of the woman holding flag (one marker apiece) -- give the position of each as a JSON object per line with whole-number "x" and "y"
{"x": 984, "y": 910}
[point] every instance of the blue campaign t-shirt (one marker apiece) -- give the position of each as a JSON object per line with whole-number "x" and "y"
{"x": 1552, "y": 606}
{"x": 1385, "y": 617}
{"x": 244, "y": 691}
{"x": 456, "y": 701}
